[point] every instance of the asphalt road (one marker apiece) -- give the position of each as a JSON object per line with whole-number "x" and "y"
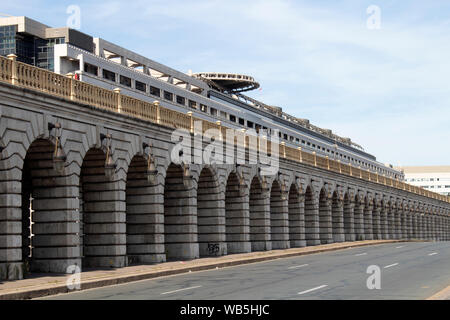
{"x": 410, "y": 270}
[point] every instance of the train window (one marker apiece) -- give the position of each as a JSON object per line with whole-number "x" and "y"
{"x": 249, "y": 124}
{"x": 140, "y": 86}
{"x": 109, "y": 75}
{"x": 241, "y": 121}
{"x": 168, "y": 95}
{"x": 125, "y": 81}
{"x": 213, "y": 111}
{"x": 181, "y": 100}
{"x": 203, "y": 108}
{"x": 155, "y": 91}
{"x": 192, "y": 104}
{"x": 232, "y": 118}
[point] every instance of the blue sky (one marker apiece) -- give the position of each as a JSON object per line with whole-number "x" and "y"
{"x": 387, "y": 89}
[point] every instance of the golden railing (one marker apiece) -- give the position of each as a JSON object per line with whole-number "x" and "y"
{"x": 27, "y": 76}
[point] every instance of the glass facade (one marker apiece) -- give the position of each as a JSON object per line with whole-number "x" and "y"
{"x": 29, "y": 49}
{"x": 7, "y": 40}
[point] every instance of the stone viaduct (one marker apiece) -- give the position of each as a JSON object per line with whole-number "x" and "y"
{"x": 95, "y": 187}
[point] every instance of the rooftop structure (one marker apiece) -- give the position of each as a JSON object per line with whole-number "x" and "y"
{"x": 433, "y": 178}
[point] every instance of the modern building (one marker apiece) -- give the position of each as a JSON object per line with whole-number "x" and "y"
{"x": 433, "y": 178}
{"x": 211, "y": 96}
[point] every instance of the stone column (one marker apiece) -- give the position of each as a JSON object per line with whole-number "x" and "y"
{"x": 279, "y": 220}
{"x": 349, "y": 226}
{"x": 312, "y": 221}
{"x": 338, "y": 221}
{"x": 260, "y": 220}
{"x": 325, "y": 221}
{"x": 368, "y": 221}
{"x": 376, "y": 227}
{"x": 237, "y": 219}
{"x": 359, "y": 220}
{"x": 384, "y": 223}
{"x": 297, "y": 220}
{"x": 392, "y": 223}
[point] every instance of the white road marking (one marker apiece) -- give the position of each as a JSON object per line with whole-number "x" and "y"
{"x": 313, "y": 289}
{"x": 432, "y": 254}
{"x": 360, "y": 254}
{"x": 168, "y": 292}
{"x": 295, "y": 267}
{"x": 399, "y": 247}
{"x": 391, "y": 265}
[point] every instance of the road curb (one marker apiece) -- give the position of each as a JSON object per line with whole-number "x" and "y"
{"x": 97, "y": 283}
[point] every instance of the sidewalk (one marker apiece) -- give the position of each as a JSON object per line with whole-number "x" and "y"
{"x": 441, "y": 295}
{"x": 44, "y": 284}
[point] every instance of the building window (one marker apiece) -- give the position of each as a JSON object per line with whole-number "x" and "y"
{"x": 241, "y": 121}
{"x": 141, "y": 86}
{"x": 168, "y": 95}
{"x": 155, "y": 91}
{"x": 249, "y": 124}
{"x": 181, "y": 100}
{"x": 125, "y": 81}
{"x": 232, "y": 118}
{"x": 109, "y": 75}
{"x": 223, "y": 114}
{"x": 213, "y": 111}
{"x": 192, "y": 104}
{"x": 91, "y": 69}
{"x": 203, "y": 108}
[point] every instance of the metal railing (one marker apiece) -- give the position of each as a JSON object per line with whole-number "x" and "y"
{"x": 27, "y": 76}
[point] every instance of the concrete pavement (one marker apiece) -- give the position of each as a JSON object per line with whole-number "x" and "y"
{"x": 409, "y": 270}
{"x": 45, "y": 284}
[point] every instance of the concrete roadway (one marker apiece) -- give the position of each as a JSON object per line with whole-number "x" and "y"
{"x": 410, "y": 270}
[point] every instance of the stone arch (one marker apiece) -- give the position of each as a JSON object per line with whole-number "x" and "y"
{"x": 144, "y": 215}
{"x": 210, "y": 215}
{"x": 311, "y": 217}
{"x": 102, "y": 214}
{"x": 296, "y": 214}
{"x": 259, "y": 216}
{"x": 180, "y": 216}
{"x": 337, "y": 216}
{"x": 349, "y": 226}
{"x": 279, "y": 220}
{"x": 50, "y": 239}
{"x": 237, "y": 221}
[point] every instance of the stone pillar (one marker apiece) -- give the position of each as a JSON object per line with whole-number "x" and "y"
{"x": 384, "y": 223}
{"x": 279, "y": 220}
{"x": 325, "y": 221}
{"x": 376, "y": 223}
{"x": 368, "y": 221}
{"x": 311, "y": 220}
{"x": 237, "y": 219}
{"x": 145, "y": 220}
{"x": 11, "y": 265}
{"x": 349, "y": 225}
{"x": 260, "y": 219}
{"x": 338, "y": 220}
{"x": 392, "y": 223}
{"x": 180, "y": 216}
{"x": 359, "y": 220}
{"x": 297, "y": 220}
{"x": 398, "y": 223}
